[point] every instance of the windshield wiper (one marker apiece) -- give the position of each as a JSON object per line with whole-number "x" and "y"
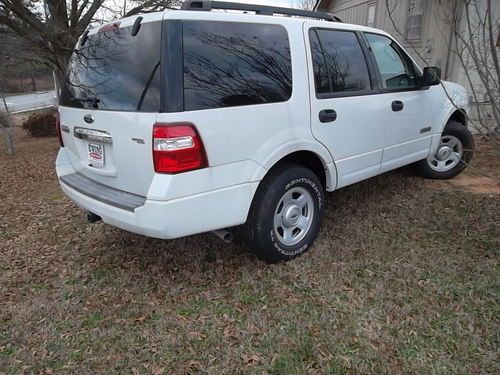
{"x": 146, "y": 88}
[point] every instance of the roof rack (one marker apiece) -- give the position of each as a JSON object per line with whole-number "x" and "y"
{"x": 206, "y": 5}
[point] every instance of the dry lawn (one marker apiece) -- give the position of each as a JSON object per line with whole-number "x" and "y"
{"x": 404, "y": 278}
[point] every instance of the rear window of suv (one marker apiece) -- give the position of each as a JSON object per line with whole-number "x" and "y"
{"x": 114, "y": 70}
{"x": 235, "y": 64}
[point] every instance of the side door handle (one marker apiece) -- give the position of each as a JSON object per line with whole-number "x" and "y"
{"x": 397, "y": 106}
{"x": 327, "y": 115}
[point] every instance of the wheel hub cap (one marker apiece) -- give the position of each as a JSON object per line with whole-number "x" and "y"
{"x": 443, "y": 153}
{"x": 448, "y": 154}
{"x": 293, "y": 216}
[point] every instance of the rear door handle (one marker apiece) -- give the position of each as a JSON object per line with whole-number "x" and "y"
{"x": 397, "y": 106}
{"x": 327, "y": 115}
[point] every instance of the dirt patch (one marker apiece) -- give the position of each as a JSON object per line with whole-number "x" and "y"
{"x": 482, "y": 185}
{"x": 482, "y": 176}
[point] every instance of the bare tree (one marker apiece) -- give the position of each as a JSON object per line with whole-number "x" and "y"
{"x": 50, "y": 30}
{"x": 475, "y": 50}
{"x": 45, "y": 33}
{"x": 149, "y": 6}
{"x": 473, "y": 44}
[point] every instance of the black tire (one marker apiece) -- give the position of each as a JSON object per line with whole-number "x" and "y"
{"x": 261, "y": 236}
{"x": 460, "y": 131}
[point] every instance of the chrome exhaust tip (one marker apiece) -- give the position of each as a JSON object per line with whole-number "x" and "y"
{"x": 92, "y": 217}
{"x": 224, "y": 235}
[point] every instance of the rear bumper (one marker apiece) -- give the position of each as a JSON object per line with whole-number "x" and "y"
{"x": 169, "y": 219}
{"x": 102, "y": 193}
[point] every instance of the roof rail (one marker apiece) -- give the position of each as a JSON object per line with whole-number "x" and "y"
{"x": 207, "y": 5}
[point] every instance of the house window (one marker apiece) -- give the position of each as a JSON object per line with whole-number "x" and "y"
{"x": 371, "y": 15}
{"x": 415, "y": 19}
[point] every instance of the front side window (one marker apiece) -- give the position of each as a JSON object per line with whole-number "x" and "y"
{"x": 396, "y": 69}
{"x": 115, "y": 70}
{"x": 235, "y": 64}
{"x": 339, "y": 64}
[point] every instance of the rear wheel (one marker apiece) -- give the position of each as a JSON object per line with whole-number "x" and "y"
{"x": 286, "y": 214}
{"x": 453, "y": 154}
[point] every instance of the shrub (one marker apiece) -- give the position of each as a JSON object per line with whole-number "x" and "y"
{"x": 41, "y": 125}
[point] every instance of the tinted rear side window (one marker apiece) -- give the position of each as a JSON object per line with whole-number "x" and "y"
{"x": 235, "y": 64}
{"x": 338, "y": 62}
{"x": 320, "y": 68}
{"x": 116, "y": 71}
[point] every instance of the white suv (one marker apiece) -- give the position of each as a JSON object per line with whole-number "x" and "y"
{"x": 189, "y": 121}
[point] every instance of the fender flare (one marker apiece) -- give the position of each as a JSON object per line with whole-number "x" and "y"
{"x": 442, "y": 124}
{"x": 452, "y": 109}
{"x": 300, "y": 145}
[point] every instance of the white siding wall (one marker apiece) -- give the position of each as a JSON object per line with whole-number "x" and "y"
{"x": 352, "y": 11}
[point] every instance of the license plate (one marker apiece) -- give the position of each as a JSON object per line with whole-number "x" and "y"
{"x": 95, "y": 154}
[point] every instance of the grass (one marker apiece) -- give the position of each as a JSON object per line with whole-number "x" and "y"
{"x": 403, "y": 278}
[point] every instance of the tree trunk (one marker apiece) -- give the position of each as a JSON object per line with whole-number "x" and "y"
{"x": 60, "y": 69}
{"x": 5, "y": 127}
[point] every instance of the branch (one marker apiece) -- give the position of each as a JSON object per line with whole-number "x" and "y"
{"x": 480, "y": 65}
{"x": 58, "y": 11}
{"x": 80, "y": 10}
{"x": 87, "y": 17}
{"x": 492, "y": 41}
{"x": 73, "y": 13}
{"x": 149, "y": 6}
{"x": 23, "y": 13}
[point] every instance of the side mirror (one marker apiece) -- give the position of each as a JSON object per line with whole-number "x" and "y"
{"x": 432, "y": 76}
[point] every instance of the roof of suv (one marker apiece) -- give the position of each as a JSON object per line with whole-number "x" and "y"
{"x": 232, "y": 16}
{"x": 208, "y": 5}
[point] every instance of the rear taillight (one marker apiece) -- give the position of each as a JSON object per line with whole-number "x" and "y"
{"x": 58, "y": 129}
{"x": 177, "y": 148}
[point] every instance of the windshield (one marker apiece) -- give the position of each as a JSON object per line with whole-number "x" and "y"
{"x": 114, "y": 70}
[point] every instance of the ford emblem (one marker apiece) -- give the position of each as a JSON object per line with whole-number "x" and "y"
{"x": 89, "y": 119}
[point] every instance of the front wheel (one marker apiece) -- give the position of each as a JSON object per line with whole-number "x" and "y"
{"x": 453, "y": 154}
{"x": 286, "y": 213}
